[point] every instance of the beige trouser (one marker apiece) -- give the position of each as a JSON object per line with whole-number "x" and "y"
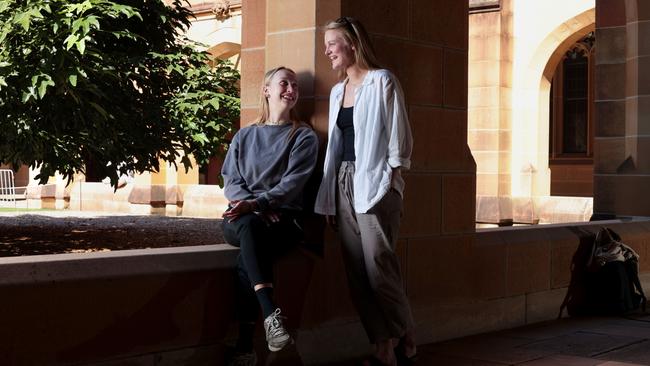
{"x": 372, "y": 267}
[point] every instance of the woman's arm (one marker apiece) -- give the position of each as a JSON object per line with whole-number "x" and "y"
{"x": 400, "y": 140}
{"x": 234, "y": 185}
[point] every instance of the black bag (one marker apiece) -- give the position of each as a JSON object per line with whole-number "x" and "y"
{"x": 604, "y": 277}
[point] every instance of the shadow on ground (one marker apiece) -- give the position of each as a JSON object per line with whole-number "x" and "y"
{"x": 35, "y": 234}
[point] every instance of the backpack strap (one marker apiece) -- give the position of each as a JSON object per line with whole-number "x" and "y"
{"x": 586, "y": 247}
{"x": 637, "y": 285}
{"x": 565, "y": 301}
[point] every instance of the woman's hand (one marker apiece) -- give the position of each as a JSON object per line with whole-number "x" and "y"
{"x": 270, "y": 217}
{"x": 331, "y": 221}
{"x": 238, "y": 208}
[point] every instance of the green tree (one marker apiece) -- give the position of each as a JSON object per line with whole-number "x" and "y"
{"x": 108, "y": 85}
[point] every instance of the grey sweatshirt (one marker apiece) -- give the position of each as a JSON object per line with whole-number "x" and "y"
{"x": 263, "y": 164}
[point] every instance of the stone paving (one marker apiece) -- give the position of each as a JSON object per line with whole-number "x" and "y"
{"x": 565, "y": 342}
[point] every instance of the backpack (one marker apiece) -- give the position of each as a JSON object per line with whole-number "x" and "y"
{"x": 604, "y": 277}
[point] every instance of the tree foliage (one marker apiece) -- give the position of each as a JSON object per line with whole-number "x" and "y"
{"x": 112, "y": 84}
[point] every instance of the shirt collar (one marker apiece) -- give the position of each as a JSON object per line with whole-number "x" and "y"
{"x": 367, "y": 80}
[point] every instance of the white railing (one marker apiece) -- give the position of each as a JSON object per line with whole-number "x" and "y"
{"x": 7, "y": 188}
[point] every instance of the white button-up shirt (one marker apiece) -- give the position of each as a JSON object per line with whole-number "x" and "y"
{"x": 382, "y": 141}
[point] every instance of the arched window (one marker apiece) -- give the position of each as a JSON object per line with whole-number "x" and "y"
{"x": 571, "y": 121}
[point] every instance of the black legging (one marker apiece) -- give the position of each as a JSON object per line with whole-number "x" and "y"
{"x": 260, "y": 245}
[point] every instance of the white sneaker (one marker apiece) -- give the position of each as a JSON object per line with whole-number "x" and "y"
{"x": 277, "y": 336}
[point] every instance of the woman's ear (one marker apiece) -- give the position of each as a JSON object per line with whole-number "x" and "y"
{"x": 265, "y": 91}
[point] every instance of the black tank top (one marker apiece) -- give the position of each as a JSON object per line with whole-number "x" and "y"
{"x": 345, "y": 123}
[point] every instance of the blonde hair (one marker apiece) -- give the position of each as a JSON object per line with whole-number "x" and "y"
{"x": 265, "y": 113}
{"x": 355, "y": 35}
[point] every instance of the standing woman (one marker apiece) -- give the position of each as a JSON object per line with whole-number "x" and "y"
{"x": 361, "y": 192}
{"x": 265, "y": 171}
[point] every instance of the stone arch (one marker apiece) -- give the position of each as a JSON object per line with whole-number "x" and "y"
{"x": 531, "y": 141}
{"x": 226, "y": 50}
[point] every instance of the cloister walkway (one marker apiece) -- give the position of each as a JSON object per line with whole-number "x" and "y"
{"x": 565, "y": 342}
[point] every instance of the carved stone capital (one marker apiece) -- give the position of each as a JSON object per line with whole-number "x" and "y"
{"x": 222, "y": 9}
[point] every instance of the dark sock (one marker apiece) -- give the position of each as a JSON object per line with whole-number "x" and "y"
{"x": 245, "y": 339}
{"x": 265, "y": 298}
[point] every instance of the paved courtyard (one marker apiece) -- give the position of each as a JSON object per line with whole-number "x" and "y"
{"x": 565, "y": 342}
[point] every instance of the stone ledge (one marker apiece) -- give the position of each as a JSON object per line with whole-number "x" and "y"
{"x": 120, "y": 263}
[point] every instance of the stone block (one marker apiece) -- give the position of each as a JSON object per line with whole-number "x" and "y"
{"x": 609, "y": 154}
{"x": 641, "y": 77}
{"x": 253, "y": 23}
{"x": 485, "y": 97}
{"x": 385, "y": 17}
{"x": 450, "y": 27}
{"x": 613, "y": 45}
{"x": 320, "y": 123}
{"x": 439, "y": 139}
{"x": 524, "y": 210}
{"x": 298, "y": 47}
{"x": 625, "y": 195}
{"x": 611, "y": 81}
{"x": 611, "y": 13}
{"x": 303, "y": 15}
{"x": 642, "y": 30}
{"x": 483, "y": 140}
{"x": 458, "y": 203}
{"x": 642, "y": 12}
{"x": 153, "y": 194}
{"x": 494, "y": 209}
{"x": 558, "y": 209}
{"x": 482, "y": 117}
{"x": 407, "y": 60}
{"x": 325, "y": 78}
{"x": 638, "y": 113}
{"x": 112, "y": 306}
{"x": 529, "y": 261}
{"x": 327, "y": 10}
{"x": 247, "y": 116}
{"x": 422, "y": 206}
{"x": 487, "y": 162}
{"x": 484, "y": 47}
{"x": 610, "y": 118}
{"x": 488, "y": 273}
{"x": 487, "y": 184}
{"x": 564, "y": 243}
{"x": 455, "y": 79}
{"x": 89, "y": 196}
{"x": 252, "y": 77}
{"x": 439, "y": 270}
{"x": 204, "y": 201}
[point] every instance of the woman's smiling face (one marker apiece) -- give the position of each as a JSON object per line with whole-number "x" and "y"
{"x": 339, "y": 52}
{"x": 282, "y": 90}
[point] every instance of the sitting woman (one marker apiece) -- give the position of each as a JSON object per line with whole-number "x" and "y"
{"x": 265, "y": 171}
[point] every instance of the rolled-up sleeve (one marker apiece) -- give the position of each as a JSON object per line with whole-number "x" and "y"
{"x": 400, "y": 140}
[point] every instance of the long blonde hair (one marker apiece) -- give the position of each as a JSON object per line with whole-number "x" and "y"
{"x": 355, "y": 35}
{"x": 265, "y": 113}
